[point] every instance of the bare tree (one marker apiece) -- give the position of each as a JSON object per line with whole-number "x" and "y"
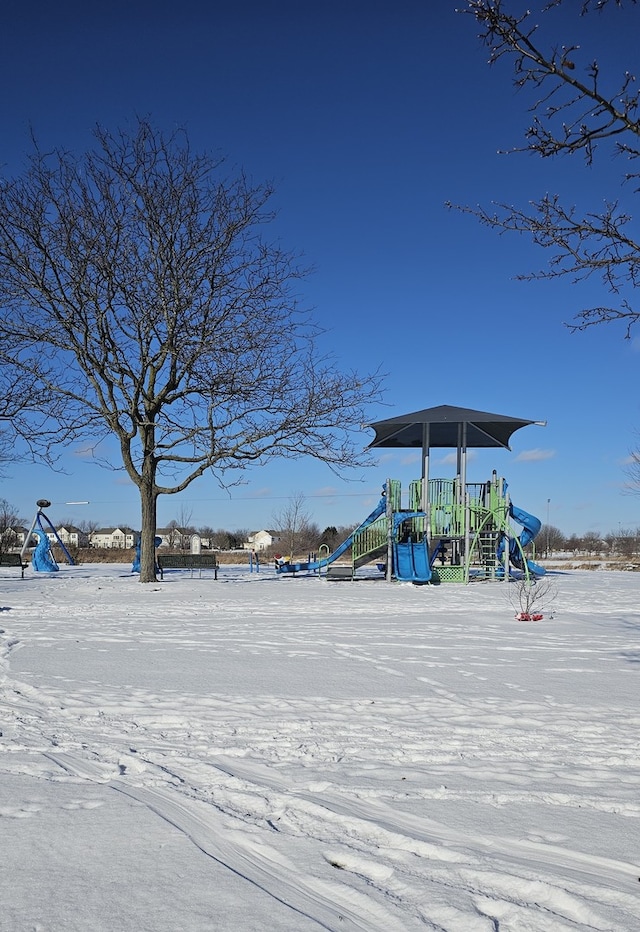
{"x": 575, "y": 110}
{"x": 185, "y": 526}
{"x": 18, "y": 406}
{"x": 9, "y": 520}
{"x": 295, "y": 526}
{"x": 174, "y": 536}
{"x": 592, "y": 542}
{"x": 632, "y": 470}
{"x": 218, "y": 539}
{"x": 27, "y": 407}
{"x": 5, "y": 450}
{"x": 627, "y": 542}
{"x": 236, "y": 538}
{"x": 87, "y": 526}
{"x": 185, "y": 517}
{"x": 548, "y": 539}
{"x": 138, "y": 294}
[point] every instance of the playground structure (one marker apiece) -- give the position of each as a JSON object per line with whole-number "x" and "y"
{"x": 448, "y": 530}
{"x": 43, "y": 560}
{"x": 468, "y": 534}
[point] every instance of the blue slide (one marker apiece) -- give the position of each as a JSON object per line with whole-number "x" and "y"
{"x": 43, "y": 560}
{"x": 531, "y": 526}
{"x": 411, "y": 562}
{"x": 421, "y": 563}
{"x": 410, "y": 557}
{"x": 344, "y": 546}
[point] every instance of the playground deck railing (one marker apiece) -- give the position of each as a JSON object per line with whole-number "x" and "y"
{"x": 448, "y": 507}
{"x": 370, "y": 540}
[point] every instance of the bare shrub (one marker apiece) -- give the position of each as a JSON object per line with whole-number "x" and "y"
{"x": 532, "y": 596}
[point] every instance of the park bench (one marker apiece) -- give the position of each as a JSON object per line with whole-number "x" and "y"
{"x": 188, "y": 561}
{"x": 13, "y": 559}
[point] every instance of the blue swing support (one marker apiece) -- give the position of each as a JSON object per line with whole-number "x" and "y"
{"x": 43, "y": 560}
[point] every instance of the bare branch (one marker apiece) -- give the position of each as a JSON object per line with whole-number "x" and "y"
{"x": 575, "y": 109}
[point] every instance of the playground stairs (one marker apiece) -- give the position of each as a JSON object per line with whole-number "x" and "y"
{"x": 369, "y": 543}
{"x": 486, "y": 546}
{"x": 377, "y": 554}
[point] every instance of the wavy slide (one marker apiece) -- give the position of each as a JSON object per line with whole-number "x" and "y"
{"x": 344, "y": 546}
{"x": 531, "y": 526}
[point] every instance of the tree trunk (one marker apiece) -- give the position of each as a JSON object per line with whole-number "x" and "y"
{"x": 148, "y": 502}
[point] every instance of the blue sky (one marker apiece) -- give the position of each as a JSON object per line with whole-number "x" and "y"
{"x": 368, "y": 116}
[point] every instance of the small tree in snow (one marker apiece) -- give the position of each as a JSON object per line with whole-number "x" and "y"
{"x": 532, "y": 596}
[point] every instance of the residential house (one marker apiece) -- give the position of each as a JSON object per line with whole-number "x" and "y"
{"x": 71, "y": 536}
{"x": 177, "y": 538}
{"x": 117, "y": 538}
{"x": 262, "y": 540}
{"x": 12, "y": 537}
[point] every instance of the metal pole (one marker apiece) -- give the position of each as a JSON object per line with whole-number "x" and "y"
{"x": 465, "y": 501}
{"x": 507, "y": 539}
{"x": 426, "y": 504}
{"x": 389, "y": 517}
{"x": 548, "y": 526}
{"x": 28, "y": 537}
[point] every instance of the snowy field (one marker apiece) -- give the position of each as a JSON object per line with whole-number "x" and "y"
{"x": 269, "y": 754}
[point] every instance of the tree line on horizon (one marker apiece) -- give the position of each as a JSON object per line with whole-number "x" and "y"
{"x": 299, "y": 535}
{"x": 297, "y": 532}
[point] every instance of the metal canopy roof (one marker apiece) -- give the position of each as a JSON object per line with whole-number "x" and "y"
{"x": 445, "y": 428}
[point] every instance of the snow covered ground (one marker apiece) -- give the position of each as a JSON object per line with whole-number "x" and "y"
{"x": 262, "y": 753}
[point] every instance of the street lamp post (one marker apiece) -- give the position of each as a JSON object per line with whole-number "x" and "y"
{"x": 548, "y": 525}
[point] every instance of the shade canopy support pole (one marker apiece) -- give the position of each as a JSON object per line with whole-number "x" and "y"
{"x": 465, "y": 503}
{"x": 426, "y": 504}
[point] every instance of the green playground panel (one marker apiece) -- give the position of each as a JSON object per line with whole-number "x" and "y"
{"x": 448, "y": 574}
{"x": 395, "y": 494}
{"x": 487, "y": 508}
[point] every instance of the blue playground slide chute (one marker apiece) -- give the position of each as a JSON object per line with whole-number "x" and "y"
{"x": 530, "y": 528}
{"x": 410, "y": 557}
{"x": 313, "y": 565}
{"x": 411, "y": 562}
